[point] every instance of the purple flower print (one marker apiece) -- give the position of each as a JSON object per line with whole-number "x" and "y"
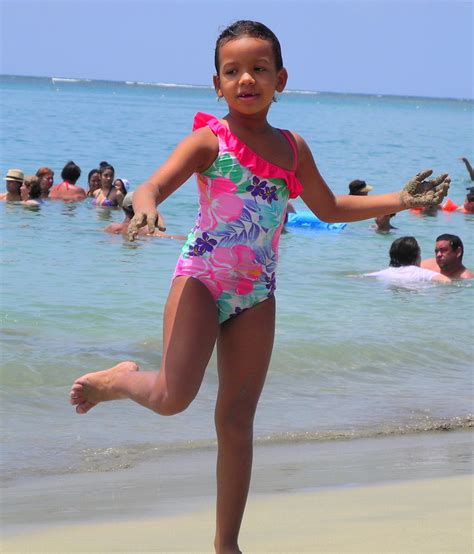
{"x": 271, "y": 194}
{"x": 202, "y": 245}
{"x": 258, "y": 188}
{"x": 270, "y": 283}
{"x": 261, "y": 189}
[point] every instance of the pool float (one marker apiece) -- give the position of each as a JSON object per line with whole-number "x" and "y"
{"x": 307, "y": 220}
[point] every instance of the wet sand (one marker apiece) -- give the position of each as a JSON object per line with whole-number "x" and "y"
{"x": 401, "y": 494}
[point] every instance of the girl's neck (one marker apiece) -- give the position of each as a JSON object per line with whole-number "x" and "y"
{"x": 254, "y": 123}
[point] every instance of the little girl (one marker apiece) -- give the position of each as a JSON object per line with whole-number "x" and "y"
{"x": 223, "y": 287}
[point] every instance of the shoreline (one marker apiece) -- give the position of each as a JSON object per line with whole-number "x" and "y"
{"x": 178, "y": 490}
{"x": 422, "y": 516}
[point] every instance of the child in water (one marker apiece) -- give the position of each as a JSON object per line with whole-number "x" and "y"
{"x": 222, "y": 290}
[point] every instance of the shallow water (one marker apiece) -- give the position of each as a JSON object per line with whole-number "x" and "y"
{"x": 353, "y": 357}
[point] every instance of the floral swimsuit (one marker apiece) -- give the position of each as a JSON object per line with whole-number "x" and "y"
{"x": 233, "y": 247}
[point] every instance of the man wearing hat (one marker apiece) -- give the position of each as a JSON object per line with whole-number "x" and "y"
{"x": 14, "y": 180}
{"x": 359, "y": 188}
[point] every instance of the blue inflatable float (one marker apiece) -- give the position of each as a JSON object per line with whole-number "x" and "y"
{"x": 307, "y": 220}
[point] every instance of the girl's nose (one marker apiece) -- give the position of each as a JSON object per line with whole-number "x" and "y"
{"x": 246, "y": 77}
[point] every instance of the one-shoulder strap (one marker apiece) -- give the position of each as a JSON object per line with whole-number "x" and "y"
{"x": 206, "y": 120}
{"x": 289, "y": 137}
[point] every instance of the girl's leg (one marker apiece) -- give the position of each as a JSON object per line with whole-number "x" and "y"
{"x": 189, "y": 334}
{"x": 244, "y": 349}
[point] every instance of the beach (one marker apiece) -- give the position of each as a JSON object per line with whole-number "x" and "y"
{"x": 363, "y": 431}
{"x": 404, "y": 494}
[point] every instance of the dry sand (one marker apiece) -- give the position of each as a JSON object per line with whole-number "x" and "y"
{"x": 423, "y": 516}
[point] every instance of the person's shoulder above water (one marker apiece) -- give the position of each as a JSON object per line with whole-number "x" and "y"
{"x": 449, "y": 251}
{"x": 68, "y": 190}
{"x": 404, "y": 267}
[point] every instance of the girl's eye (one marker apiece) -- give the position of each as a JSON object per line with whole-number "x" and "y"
{"x": 230, "y": 72}
{"x": 260, "y": 69}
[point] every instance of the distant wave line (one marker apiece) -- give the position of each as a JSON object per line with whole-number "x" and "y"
{"x": 73, "y": 80}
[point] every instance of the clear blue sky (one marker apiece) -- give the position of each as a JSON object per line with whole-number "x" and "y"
{"x": 405, "y": 47}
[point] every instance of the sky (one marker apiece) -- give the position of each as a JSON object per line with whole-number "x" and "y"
{"x": 403, "y": 47}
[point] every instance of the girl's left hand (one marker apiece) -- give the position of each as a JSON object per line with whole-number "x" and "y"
{"x": 418, "y": 193}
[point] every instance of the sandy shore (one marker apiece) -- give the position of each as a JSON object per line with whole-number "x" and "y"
{"x": 404, "y": 494}
{"x": 412, "y": 517}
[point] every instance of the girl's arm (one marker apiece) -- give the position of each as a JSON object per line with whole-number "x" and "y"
{"x": 331, "y": 208}
{"x": 193, "y": 154}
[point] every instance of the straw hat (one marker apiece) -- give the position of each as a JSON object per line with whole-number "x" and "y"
{"x": 14, "y": 175}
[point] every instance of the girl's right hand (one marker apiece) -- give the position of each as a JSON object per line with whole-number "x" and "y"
{"x": 151, "y": 219}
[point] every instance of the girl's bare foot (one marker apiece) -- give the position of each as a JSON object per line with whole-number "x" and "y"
{"x": 92, "y": 388}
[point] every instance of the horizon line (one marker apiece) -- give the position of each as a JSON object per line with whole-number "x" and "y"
{"x": 66, "y": 80}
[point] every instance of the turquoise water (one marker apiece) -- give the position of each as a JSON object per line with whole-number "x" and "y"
{"x": 352, "y": 357}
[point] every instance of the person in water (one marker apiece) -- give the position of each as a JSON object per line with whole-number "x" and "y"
{"x": 13, "y": 182}
{"x": 108, "y": 195}
{"x": 383, "y": 223}
{"x": 93, "y": 181}
{"x": 68, "y": 190}
{"x": 405, "y": 259}
{"x": 46, "y": 180}
{"x": 31, "y": 191}
{"x": 359, "y": 188}
{"x": 468, "y": 204}
{"x": 122, "y": 228}
{"x": 222, "y": 291}
{"x": 449, "y": 251}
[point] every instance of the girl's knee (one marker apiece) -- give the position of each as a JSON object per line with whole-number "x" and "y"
{"x": 167, "y": 403}
{"x": 234, "y": 424}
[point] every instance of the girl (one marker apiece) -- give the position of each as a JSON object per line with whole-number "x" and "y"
{"x": 93, "y": 180}
{"x": 223, "y": 287}
{"x": 107, "y": 194}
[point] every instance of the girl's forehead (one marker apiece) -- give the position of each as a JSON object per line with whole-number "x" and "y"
{"x": 246, "y": 45}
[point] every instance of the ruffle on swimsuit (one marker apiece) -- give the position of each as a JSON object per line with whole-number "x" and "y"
{"x": 248, "y": 158}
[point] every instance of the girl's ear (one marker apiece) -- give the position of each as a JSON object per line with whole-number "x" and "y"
{"x": 217, "y": 85}
{"x": 282, "y": 78}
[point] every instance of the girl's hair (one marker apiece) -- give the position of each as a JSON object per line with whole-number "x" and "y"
{"x": 44, "y": 171}
{"x": 105, "y": 166}
{"x": 33, "y": 185}
{"x": 404, "y": 251}
{"x": 91, "y": 172}
{"x": 246, "y": 28}
{"x": 71, "y": 172}
{"x": 123, "y": 190}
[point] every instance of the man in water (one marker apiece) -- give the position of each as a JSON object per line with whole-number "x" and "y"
{"x": 405, "y": 258}
{"x": 359, "y": 188}
{"x": 468, "y": 205}
{"x": 14, "y": 181}
{"x": 449, "y": 251}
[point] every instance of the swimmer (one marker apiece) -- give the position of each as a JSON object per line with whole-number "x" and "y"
{"x": 404, "y": 267}
{"x": 68, "y": 190}
{"x": 449, "y": 251}
{"x": 13, "y": 182}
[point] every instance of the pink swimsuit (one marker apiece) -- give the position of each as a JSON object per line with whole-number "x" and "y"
{"x": 233, "y": 247}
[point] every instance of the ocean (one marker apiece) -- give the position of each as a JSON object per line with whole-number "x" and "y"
{"x": 352, "y": 357}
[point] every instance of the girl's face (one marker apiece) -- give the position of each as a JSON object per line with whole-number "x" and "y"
{"x": 107, "y": 178}
{"x": 119, "y": 185}
{"x": 94, "y": 181}
{"x": 46, "y": 182}
{"x": 248, "y": 77}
